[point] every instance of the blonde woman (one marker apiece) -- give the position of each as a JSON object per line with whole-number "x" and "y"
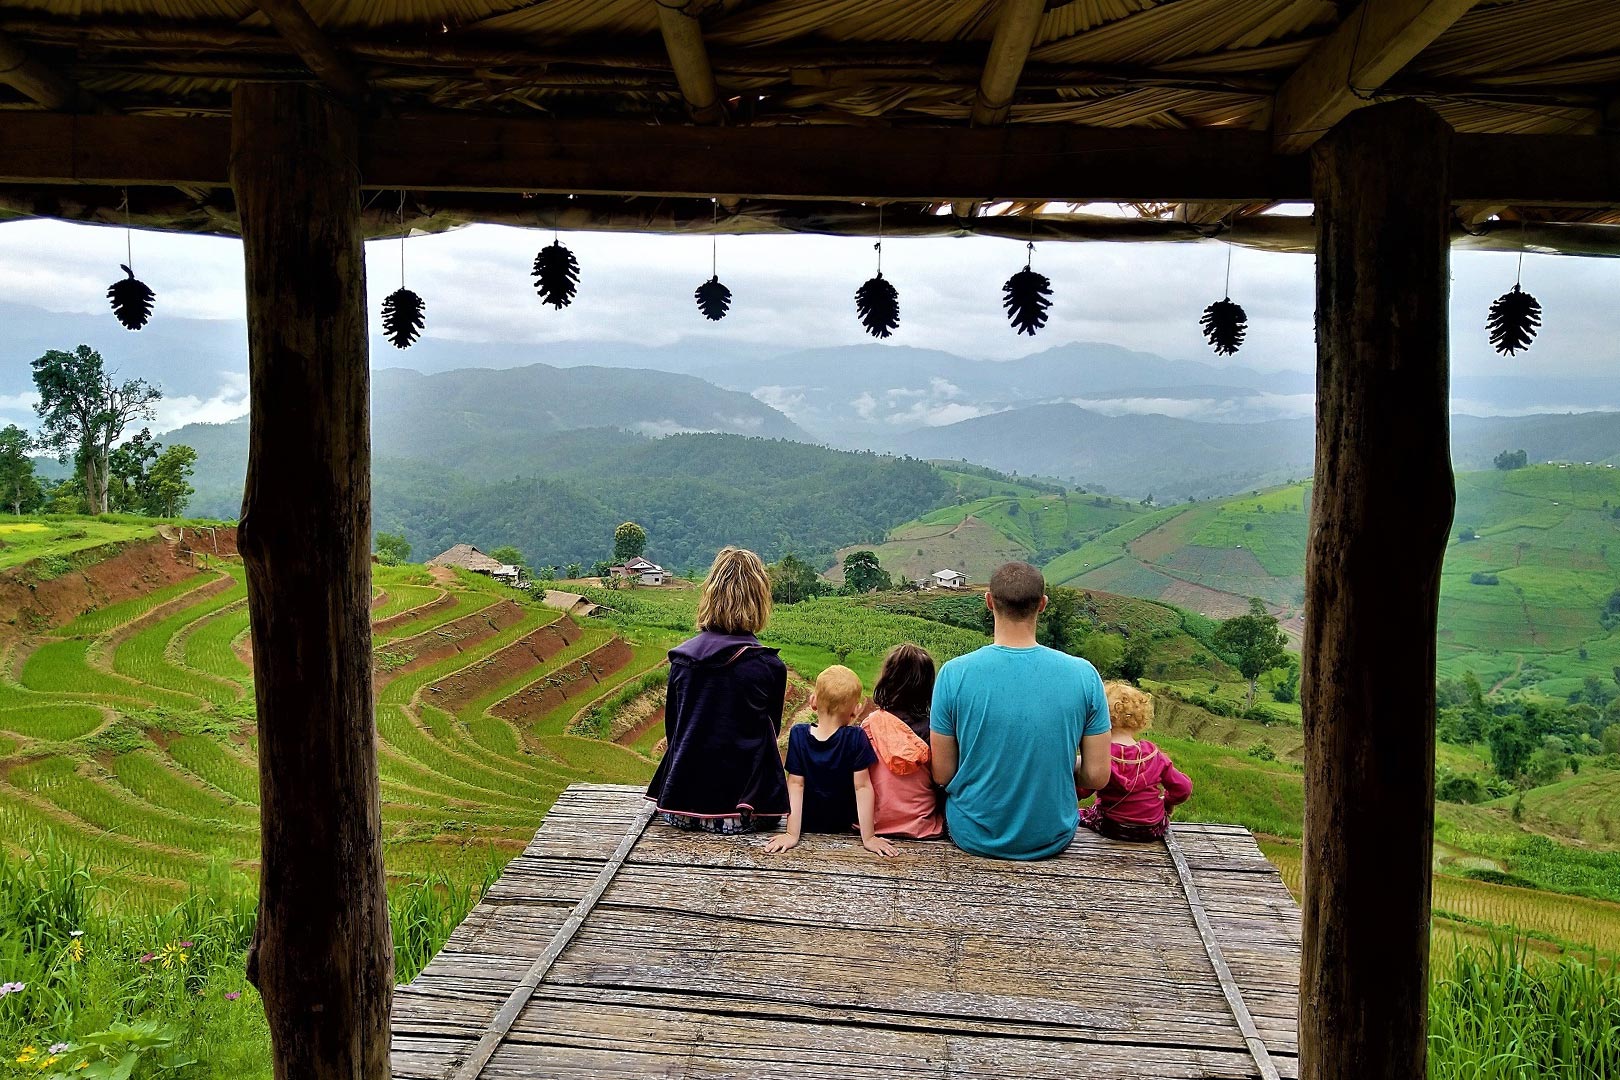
{"x": 721, "y": 771}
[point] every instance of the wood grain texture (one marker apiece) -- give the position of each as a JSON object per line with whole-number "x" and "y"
{"x": 322, "y": 955}
{"x": 706, "y": 957}
{"x": 1380, "y": 513}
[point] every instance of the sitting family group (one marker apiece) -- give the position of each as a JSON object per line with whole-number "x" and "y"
{"x": 996, "y": 751}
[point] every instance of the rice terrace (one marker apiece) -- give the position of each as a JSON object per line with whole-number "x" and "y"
{"x": 809, "y": 540}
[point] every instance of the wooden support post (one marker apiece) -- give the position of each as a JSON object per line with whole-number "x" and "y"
{"x": 322, "y": 956}
{"x": 1380, "y": 514}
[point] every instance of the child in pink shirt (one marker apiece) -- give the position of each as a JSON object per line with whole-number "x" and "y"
{"x": 1145, "y": 785}
{"x": 902, "y": 783}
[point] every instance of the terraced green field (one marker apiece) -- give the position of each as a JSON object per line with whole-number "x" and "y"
{"x": 1006, "y": 523}
{"x": 1548, "y": 536}
{"x": 129, "y": 731}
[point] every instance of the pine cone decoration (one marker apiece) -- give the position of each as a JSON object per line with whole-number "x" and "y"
{"x": 403, "y": 316}
{"x": 1514, "y": 319}
{"x": 131, "y": 300}
{"x": 1224, "y": 325}
{"x": 556, "y": 275}
{"x": 878, "y": 304}
{"x": 1026, "y": 296}
{"x": 713, "y": 299}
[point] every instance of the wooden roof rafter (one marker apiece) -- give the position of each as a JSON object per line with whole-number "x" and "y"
{"x": 1017, "y": 24}
{"x": 294, "y": 24}
{"x": 689, "y": 59}
{"x": 1371, "y": 44}
{"x": 39, "y": 81}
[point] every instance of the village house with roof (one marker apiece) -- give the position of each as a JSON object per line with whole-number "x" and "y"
{"x": 643, "y": 571}
{"x": 948, "y": 579}
{"x": 467, "y": 557}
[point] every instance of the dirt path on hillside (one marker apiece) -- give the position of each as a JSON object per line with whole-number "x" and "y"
{"x": 1518, "y": 666}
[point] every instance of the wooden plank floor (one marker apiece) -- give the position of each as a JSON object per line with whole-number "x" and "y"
{"x": 708, "y": 958}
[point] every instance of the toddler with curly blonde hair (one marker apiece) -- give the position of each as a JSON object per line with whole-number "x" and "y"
{"x": 1144, "y": 784}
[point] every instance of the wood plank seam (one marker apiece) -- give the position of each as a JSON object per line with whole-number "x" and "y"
{"x": 1229, "y": 986}
{"x": 501, "y": 1025}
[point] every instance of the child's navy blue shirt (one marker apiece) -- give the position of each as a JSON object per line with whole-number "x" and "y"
{"x": 829, "y": 770}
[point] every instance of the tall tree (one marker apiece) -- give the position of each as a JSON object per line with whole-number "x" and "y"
{"x": 1255, "y": 641}
{"x": 793, "y": 580}
{"x": 629, "y": 541}
{"x": 19, "y": 487}
{"x": 169, "y": 481}
{"x": 128, "y": 478}
{"x": 511, "y": 556}
{"x": 392, "y": 548}
{"x": 862, "y": 574}
{"x": 84, "y": 412}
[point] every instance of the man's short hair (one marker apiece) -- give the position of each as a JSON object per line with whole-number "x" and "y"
{"x": 1017, "y": 589}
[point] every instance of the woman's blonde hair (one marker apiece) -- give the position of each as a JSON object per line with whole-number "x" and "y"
{"x": 1129, "y": 709}
{"x": 736, "y": 594}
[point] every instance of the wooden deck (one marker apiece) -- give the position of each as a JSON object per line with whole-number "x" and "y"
{"x": 705, "y": 957}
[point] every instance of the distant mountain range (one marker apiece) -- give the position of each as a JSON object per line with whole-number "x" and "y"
{"x": 1178, "y": 459}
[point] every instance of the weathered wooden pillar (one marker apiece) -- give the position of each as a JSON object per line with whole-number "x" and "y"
{"x": 1380, "y": 515}
{"x": 322, "y": 956}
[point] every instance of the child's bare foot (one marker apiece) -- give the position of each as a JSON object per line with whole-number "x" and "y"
{"x": 879, "y": 846}
{"x": 782, "y": 842}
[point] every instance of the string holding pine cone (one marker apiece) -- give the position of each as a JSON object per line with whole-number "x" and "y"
{"x": 131, "y": 300}
{"x": 1225, "y": 325}
{"x": 713, "y": 299}
{"x": 403, "y": 315}
{"x": 556, "y": 275}
{"x": 877, "y": 302}
{"x": 1514, "y": 319}
{"x": 1026, "y": 296}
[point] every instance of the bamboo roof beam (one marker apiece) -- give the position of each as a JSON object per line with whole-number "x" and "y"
{"x": 1017, "y": 24}
{"x": 689, "y": 59}
{"x": 1370, "y": 45}
{"x": 37, "y": 81}
{"x": 313, "y": 47}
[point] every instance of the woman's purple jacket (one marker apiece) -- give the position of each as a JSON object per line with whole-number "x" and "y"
{"x": 722, "y": 716}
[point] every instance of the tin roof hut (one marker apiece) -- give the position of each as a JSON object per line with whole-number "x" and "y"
{"x": 306, "y": 125}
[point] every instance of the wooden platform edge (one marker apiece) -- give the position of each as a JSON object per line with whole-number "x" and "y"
{"x": 509, "y": 1011}
{"x": 1229, "y": 987}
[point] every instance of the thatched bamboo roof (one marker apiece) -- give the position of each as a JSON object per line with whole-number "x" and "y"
{"x": 1499, "y": 67}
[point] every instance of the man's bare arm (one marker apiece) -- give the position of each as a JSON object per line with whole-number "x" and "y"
{"x": 942, "y": 750}
{"x": 1091, "y": 768}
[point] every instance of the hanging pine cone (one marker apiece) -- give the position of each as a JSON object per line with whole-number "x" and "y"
{"x": 1224, "y": 325}
{"x": 878, "y": 304}
{"x": 713, "y": 299}
{"x": 1026, "y": 298}
{"x": 403, "y": 316}
{"x": 556, "y": 275}
{"x": 1514, "y": 319}
{"x": 131, "y": 300}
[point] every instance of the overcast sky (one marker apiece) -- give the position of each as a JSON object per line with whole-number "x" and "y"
{"x": 792, "y": 292}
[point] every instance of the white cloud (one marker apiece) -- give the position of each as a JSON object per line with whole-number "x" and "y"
{"x": 784, "y": 399}
{"x": 229, "y": 403}
{"x": 938, "y": 414}
{"x": 865, "y": 406}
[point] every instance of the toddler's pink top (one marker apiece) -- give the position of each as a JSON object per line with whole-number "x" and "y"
{"x": 902, "y": 785}
{"x": 1143, "y": 787}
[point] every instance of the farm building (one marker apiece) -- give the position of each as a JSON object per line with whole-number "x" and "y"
{"x": 641, "y": 570}
{"x": 306, "y": 126}
{"x": 467, "y": 557}
{"x": 948, "y": 579}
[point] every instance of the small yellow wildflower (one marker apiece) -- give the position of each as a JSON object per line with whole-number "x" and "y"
{"x": 75, "y": 950}
{"x": 85, "y": 1064}
{"x": 48, "y": 1062}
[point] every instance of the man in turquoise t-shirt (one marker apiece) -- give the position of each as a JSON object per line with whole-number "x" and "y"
{"x": 1006, "y": 723}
